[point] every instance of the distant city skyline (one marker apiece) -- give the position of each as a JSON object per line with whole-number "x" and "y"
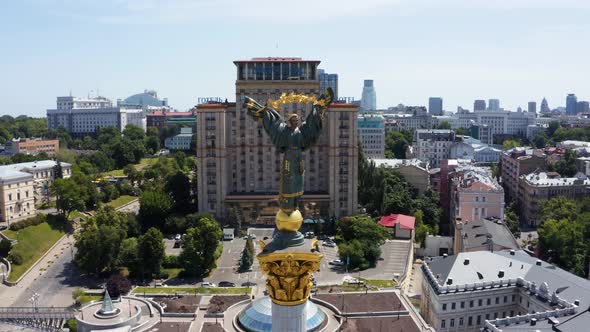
{"x": 185, "y": 49}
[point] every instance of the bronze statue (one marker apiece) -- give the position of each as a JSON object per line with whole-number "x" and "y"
{"x": 292, "y": 140}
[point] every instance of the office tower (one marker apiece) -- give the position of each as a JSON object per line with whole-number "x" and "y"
{"x": 571, "y": 103}
{"x": 240, "y": 168}
{"x": 371, "y": 130}
{"x": 493, "y": 105}
{"x": 479, "y": 105}
{"x": 545, "y": 106}
{"x": 435, "y": 106}
{"x": 369, "y": 98}
{"x": 532, "y": 107}
{"x": 582, "y": 107}
{"x": 328, "y": 80}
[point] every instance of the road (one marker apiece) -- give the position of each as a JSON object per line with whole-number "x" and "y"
{"x": 132, "y": 207}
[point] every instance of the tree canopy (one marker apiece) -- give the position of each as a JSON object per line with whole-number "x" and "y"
{"x": 201, "y": 243}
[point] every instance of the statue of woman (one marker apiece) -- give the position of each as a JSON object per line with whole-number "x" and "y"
{"x": 291, "y": 139}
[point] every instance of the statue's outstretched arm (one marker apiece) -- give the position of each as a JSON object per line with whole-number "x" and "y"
{"x": 311, "y": 128}
{"x": 272, "y": 120}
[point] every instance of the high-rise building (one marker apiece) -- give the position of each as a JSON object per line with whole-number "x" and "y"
{"x": 582, "y": 107}
{"x": 571, "y": 104}
{"x": 435, "y": 106}
{"x": 479, "y": 105}
{"x": 369, "y": 98}
{"x": 494, "y": 105}
{"x": 532, "y": 107}
{"x": 328, "y": 81}
{"x": 240, "y": 167}
{"x": 545, "y": 106}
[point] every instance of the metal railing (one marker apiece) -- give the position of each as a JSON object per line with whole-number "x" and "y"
{"x": 36, "y": 313}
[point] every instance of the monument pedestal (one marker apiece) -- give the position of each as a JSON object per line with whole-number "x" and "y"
{"x": 289, "y": 318}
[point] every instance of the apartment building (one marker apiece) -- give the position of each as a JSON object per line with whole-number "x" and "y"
{"x": 239, "y": 166}
{"x": 81, "y": 117}
{"x": 473, "y": 290}
{"x": 182, "y": 141}
{"x": 31, "y": 146}
{"x": 475, "y": 195}
{"x": 539, "y": 186}
{"x": 484, "y": 234}
{"x": 433, "y": 145}
{"x": 371, "y": 134}
{"x": 162, "y": 118}
{"x": 21, "y": 183}
{"x": 519, "y": 161}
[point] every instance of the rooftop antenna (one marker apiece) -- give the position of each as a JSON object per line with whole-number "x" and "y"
{"x": 70, "y": 92}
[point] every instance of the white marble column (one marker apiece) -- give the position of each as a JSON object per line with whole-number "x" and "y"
{"x": 288, "y": 318}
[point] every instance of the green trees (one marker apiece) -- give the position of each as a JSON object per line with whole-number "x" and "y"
{"x": 200, "y": 250}
{"x": 151, "y": 252}
{"x": 511, "y": 143}
{"x": 118, "y": 285}
{"x": 360, "y": 239}
{"x": 155, "y": 206}
{"x": 567, "y": 166}
{"x": 444, "y": 125}
{"x": 178, "y": 186}
{"x": 69, "y": 196}
{"x": 396, "y": 143}
{"x": 247, "y": 257}
{"x": 564, "y": 235}
{"x": 511, "y": 219}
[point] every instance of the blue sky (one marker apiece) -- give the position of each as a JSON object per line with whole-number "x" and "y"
{"x": 514, "y": 50}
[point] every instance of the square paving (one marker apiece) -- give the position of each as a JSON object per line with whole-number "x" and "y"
{"x": 170, "y": 327}
{"x": 357, "y": 302}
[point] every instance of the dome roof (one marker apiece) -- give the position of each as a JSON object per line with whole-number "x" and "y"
{"x": 148, "y": 98}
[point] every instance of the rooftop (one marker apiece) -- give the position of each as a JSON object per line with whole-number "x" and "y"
{"x": 276, "y": 59}
{"x": 551, "y": 179}
{"x": 17, "y": 171}
{"x": 395, "y": 163}
{"x": 476, "y": 234}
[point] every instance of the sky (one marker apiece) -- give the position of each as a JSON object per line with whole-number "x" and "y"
{"x": 513, "y": 50}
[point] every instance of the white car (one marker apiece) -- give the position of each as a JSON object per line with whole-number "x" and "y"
{"x": 337, "y": 262}
{"x": 329, "y": 244}
{"x": 207, "y": 284}
{"x": 352, "y": 281}
{"x": 178, "y": 237}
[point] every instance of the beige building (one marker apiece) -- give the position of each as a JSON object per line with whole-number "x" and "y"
{"x": 32, "y": 146}
{"x": 519, "y": 161}
{"x": 475, "y": 195}
{"x": 539, "y": 186}
{"x": 239, "y": 166}
{"x": 21, "y": 185}
{"x": 414, "y": 171}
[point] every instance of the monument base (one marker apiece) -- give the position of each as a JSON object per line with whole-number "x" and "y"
{"x": 289, "y": 318}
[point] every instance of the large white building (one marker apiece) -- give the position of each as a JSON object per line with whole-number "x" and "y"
{"x": 371, "y": 132}
{"x": 433, "y": 145}
{"x": 82, "y": 116}
{"x": 472, "y": 290}
{"x": 20, "y": 183}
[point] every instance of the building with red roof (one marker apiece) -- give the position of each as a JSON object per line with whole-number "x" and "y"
{"x": 403, "y": 225}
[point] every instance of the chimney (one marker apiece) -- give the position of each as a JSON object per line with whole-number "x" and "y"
{"x": 538, "y": 263}
{"x": 450, "y": 281}
{"x": 533, "y": 321}
{"x": 512, "y": 252}
{"x": 445, "y": 255}
{"x": 501, "y": 274}
{"x": 466, "y": 261}
{"x": 577, "y": 302}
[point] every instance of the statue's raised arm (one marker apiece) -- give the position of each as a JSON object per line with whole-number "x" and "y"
{"x": 272, "y": 121}
{"x": 312, "y": 127}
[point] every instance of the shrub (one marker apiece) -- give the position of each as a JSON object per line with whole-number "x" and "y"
{"x": 15, "y": 258}
{"x": 5, "y": 247}
{"x": 118, "y": 285}
{"x": 171, "y": 261}
{"x": 72, "y": 325}
{"x": 36, "y": 220}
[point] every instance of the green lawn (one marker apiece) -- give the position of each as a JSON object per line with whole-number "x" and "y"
{"x": 33, "y": 242}
{"x": 143, "y": 163}
{"x": 379, "y": 283}
{"x": 192, "y": 290}
{"x": 115, "y": 172}
{"x": 173, "y": 272}
{"x": 77, "y": 214}
{"x": 122, "y": 200}
{"x": 84, "y": 299}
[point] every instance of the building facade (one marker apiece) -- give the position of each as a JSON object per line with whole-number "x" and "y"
{"x": 371, "y": 135}
{"x": 539, "y": 186}
{"x": 475, "y": 195}
{"x": 435, "y": 105}
{"x": 328, "y": 81}
{"x": 479, "y": 105}
{"x": 159, "y": 119}
{"x": 21, "y": 185}
{"x": 181, "y": 141}
{"x": 369, "y": 97}
{"x": 571, "y": 104}
{"x": 519, "y": 161}
{"x": 494, "y": 105}
{"x": 532, "y": 107}
{"x": 433, "y": 145}
{"x": 414, "y": 171}
{"x": 81, "y": 117}
{"x": 239, "y": 166}
{"x": 466, "y": 291}
{"x": 32, "y": 146}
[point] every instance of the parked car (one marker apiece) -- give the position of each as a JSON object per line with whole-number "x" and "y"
{"x": 248, "y": 284}
{"x": 329, "y": 244}
{"x": 178, "y": 237}
{"x": 352, "y": 281}
{"x": 207, "y": 284}
{"x": 309, "y": 235}
{"x": 336, "y": 262}
{"x": 226, "y": 284}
